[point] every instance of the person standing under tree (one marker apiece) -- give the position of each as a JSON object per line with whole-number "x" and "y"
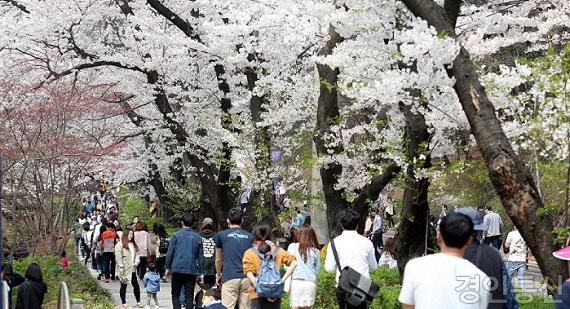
{"x": 208, "y": 235}
{"x": 231, "y": 245}
{"x": 354, "y": 250}
{"x": 389, "y": 211}
{"x": 516, "y": 262}
{"x": 185, "y": 260}
{"x": 126, "y": 255}
{"x": 377, "y": 240}
{"x": 446, "y": 279}
{"x": 31, "y": 293}
{"x": 252, "y": 264}
{"x": 143, "y": 240}
{"x": 494, "y": 225}
{"x": 303, "y": 285}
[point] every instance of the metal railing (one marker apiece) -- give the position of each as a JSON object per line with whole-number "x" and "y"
{"x": 64, "y": 301}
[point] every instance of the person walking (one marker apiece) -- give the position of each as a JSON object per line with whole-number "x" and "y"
{"x": 77, "y": 230}
{"x": 185, "y": 261}
{"x": 494, "y": 226}
{"x": 353, "y": 250}
{"x": 231, "y": 245}
{"x": 376, "y": 234}
{"x": 303, "y": 286}
{"x": 252, "y": 263}
{"x": 368, "y": 224}
{"x": 143, "y": 240}
{"x": 208, "y": 235}
{"x": 151, "y": 282}
{"x": 517, "y": 260}
{"x": 389, "y": 211}
{"x": 108, "y": 242}
{"x": 163, "y": 241}
{"x": 488, "y": 260}
{"x": 126, "y": 255}
{"x": 446, "y": 279}
{"x": 31, "y": 293}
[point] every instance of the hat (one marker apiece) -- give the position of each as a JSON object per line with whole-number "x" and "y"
{"x": 475, "y": 216}
{"x": 208, "y": 221}
{"x": 563, "y": 254}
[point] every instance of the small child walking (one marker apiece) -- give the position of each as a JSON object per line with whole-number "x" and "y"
{"x": 151, "y": 284}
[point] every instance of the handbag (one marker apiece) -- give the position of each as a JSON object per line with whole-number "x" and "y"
{"x": 357, "y": 288}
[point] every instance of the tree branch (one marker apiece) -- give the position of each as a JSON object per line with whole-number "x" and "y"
{"x": 96, "y": 64}
{"x": 18, "y": 5}
{"x": 451, "y": 8}
{"x": 181, "y": 24}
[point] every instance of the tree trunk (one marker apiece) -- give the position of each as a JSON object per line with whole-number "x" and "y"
{"x": 510, "y": 177}
{"x": 327, "y": 111}
{"x": 411, "y": 236}
{"x": 260, "y": 197}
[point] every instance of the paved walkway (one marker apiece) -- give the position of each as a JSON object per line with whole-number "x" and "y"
{"x": 113, "y": 287}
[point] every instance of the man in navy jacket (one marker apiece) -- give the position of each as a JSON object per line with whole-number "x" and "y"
{"x": 185, "y": 261}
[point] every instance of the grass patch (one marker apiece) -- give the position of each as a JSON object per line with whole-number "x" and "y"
{"x": 79, "y": 281}
{"x": 527, "y": 301}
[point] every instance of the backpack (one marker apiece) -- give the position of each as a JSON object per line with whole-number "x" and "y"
{"x": 268, "y": 282}
{"x": 356, "y": 288}
{"x": 163, "y": 245}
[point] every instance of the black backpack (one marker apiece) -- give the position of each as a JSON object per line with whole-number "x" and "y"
{"x": 163, "y": 245}
{"x": 357, "y": 289}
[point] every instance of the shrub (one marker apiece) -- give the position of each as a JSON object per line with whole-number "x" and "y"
{"x": 388, "y": 279}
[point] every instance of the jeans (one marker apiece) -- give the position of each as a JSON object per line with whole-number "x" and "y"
{"x": 519, "y": 267}
{"x": 343, "y": 304}
{"x": 109, "y": 265}
{"x": 494, "y": 241}
{"x": 99, "y": 260}
{"x": 187, "y": 281}
{"x": 136, "y": 289}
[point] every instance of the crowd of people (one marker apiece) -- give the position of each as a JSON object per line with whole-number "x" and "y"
{"x": 237, "y": 268}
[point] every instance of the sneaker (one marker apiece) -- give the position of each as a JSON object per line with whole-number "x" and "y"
{"x": 140, "y": 305}
{"x": 163, "y": 280}
{"x": 99, "y": 277}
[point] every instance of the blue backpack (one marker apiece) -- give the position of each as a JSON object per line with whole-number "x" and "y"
{"x": 268, "y": 282}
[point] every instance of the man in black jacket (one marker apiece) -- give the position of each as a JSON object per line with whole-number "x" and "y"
{"x": 487, "y": 259}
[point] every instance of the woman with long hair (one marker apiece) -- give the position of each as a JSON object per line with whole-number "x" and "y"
{"x": 160, "y": 236}
{"x": 143, "y": 240}
{"x": 304, "y": 280}
{"x": 252, "y": 262}
{"x": 126, "y": 254}
{"x": 31, "y": 293}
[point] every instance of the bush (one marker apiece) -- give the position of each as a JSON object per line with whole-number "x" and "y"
{"x": 388, "y": 279}
{"x": 79, "y": 281}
